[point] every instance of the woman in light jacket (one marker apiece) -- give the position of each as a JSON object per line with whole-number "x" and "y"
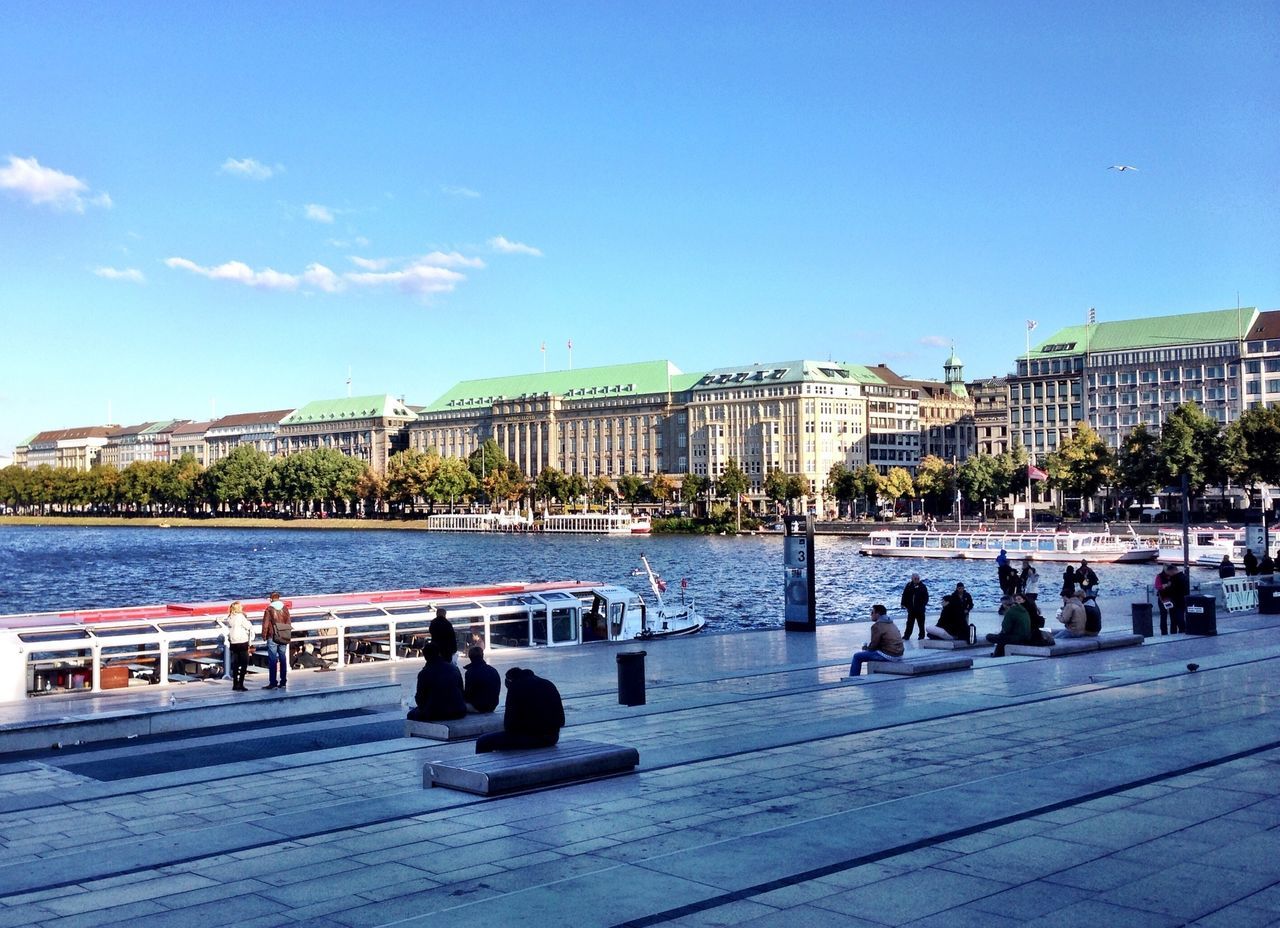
{"x": 239, "y": 634}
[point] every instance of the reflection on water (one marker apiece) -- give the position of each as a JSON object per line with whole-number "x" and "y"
{"x": 737, "y": 581}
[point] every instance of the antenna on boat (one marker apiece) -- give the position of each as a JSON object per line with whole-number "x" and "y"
{"x": 653, "y": 583}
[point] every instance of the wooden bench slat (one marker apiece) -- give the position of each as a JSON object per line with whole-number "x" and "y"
{"x": 473, "y": 725}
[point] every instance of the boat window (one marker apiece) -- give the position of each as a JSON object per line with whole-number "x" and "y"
{"x": 59, "y": 671}
{"x": 949, "y": 541}
{"x": 904, "y": 541}
{"x": 209, "y": 626}
{"x": 119, "y": 631}
{"x": 616, "y": 611}
{"x": 1062, "y": 544}
{"x": 564, "y": 625}
{"x": 1046, "y": 544}
{"x": 367, "y": 613}
{"x": 70, "y": 634}
{"x": 420, "y": 609}
{"x": 932, "y": 541}
{"x": 509, "y": 627}
{"x": 965, "y": 542}
{"x": 538, "y": 627}
{"x": 195, "y": 659}
{"x": 367, "y": 643}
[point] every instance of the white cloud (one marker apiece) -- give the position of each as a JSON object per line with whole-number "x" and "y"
{"x": 451, "y": 259}
{"x": 239, "y": 272}
{"x": 320, "y": 277}
{"x": 317, "y": 213}
{"x": 465, "y": 192}
{"x": 936, "y": 341}
{"x": 418, "y": 280}
{"x": 248, "y": 167}
{"x": 131, "y": 274}
{"x": 502, "y": 244}
{"x": 370, "y": 264}
{"x": 42, "y": 186}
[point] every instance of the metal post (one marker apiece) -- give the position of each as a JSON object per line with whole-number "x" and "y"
{"x": 1186, "y": 529}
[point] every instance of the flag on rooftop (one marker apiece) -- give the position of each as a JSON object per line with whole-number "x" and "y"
{"x": 1031, "y": 324}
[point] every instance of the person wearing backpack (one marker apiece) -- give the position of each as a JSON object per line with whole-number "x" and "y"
{"x": 277, "y": 630}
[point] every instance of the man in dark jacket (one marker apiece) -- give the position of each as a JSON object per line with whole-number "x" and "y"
{"x": 915, "y": 596}
{"x": 533, "y": 718}
{"x": 482, "y": 686}
{"x": 1173, "y": 594}
{"x": 443, "y": 638}
{"x": 1087, "y": 579}
{"x": 439, "y": 696}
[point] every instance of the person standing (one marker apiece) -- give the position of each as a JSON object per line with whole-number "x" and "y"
{"x": 961, "y": 595}
{"x": 1068, "y": 584}
{"x": 1029, "y": 587}
{"x": 915, "y": 597}
{"x": 443, "y": 637}
{"x": 1162, "y": 577}
{"x": 1226, "y": 570}
{"x": 239, "y": 633}
{"x": 885, "y": 644}
{"x": 1250, "y": 563}
{"x": 1087, "y": 579}
{"x": 277, "y": 630}
{"x": 1174, "y": 594}
{"x": 1266, "y": 566}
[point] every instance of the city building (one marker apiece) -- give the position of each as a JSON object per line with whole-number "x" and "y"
{"x": 1261, "y": 365}
{"x": 367, "y": 428}
{"x": 77, "y": 448}
{"x": 147, "y": 441}
{"x": 990, "y": 415}
{"x": 946, "y": 413}
{"x": 188, "y": 438}
{"x": 257, "y": 429}
{"x": 893, "y": 422}
{"x": 1115, "y": 375}
{"x": 626, "y": 419}
{"x": 798, "y": 417}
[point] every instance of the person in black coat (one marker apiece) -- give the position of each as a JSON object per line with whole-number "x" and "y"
{"x": 953, "y": 623}
{"x": 1068, "y": 583}
{"x": 443, "y": 638}
{"x": 439, "y": 695}
{"x": 1174, "y": 595}
{"x": 915, "y": 597}
{"x": 1226, "y": 570}
{"x": 1087, "y": 579}
{"x": 1250, "y": 563}
{"x": 533, "y": 717}
{"x": 961, "y": 595}
{"x": 482, "y": 686}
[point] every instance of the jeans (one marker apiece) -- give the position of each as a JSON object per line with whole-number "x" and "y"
{"x": 277, "y": 654}
{"x": 912, "y": 618}
{"x": 855, "y": 669}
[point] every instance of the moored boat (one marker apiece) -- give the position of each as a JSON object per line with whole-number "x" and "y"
{"x": 1099, "y": 547}
{"x": 102, "y": 649}
{"x": 479, "y": 522}
{"x": 597, "y": 523}
{"x": 1205, "y": 545}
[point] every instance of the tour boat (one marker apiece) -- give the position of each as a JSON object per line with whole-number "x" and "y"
{"x": 102, "y": 649}
{"x": 1099, "y": 547}
{"x": 479, "y": 522}
{"x": 1205, "y": 545}
{"x": 597, "y": 523}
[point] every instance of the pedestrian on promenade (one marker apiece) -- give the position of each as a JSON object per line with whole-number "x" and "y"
{"x": 961, "y": 595}
{"x": 533, "y": 717}
{"x": 1029, "y": 587}
{"x": 1015, "y": 627}
{"x": 1073, "y": 617}
{"x": 277, "y": 630}
{"x": 885, "y": 644}
{"x": 1173, "y": 595}
{"x": 438, "y": 697}
{"x": 915, "y": 597}
{"x": 1068, "y": 584}
{"x": 1250, "y": 563}
{"x": 239, "y": 633}
{"x": 1266, "y": 566}
{"x": 1087, "y": 579}
{"x": 953, "y": 622}
{"x": 482, "y": 686}
{"x": 1226, "y": 570}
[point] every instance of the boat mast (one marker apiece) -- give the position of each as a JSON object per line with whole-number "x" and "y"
{"x": 653, "y": 585}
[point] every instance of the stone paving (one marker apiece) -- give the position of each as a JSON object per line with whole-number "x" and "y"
{"x": 1108, "y": 788}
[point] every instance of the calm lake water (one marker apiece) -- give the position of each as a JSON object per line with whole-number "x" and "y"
{"x": 736, "y": 581}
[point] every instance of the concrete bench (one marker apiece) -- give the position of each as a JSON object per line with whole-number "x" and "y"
{"x": 915, "y": 666}
{"x": 506, "y": 771}
{"x": 472, "y": 725}
{"x": 934, "y": 644}
{"x": 1058, "y": 649}
{"x": 1109, "y": 640}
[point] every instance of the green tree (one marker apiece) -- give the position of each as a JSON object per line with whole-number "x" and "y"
{"x": 1191, "y": 445}
{"x": 601, "y": 490}
{"x": 371, "y": 489}
{"x": 632, "y": 488}
{"x": 661, "y": 487}
{"x": 1255, "y": 437}
{"x": 934, "y": 481}
{"x": 839, "y": 486}
{"x": 1082, "y": 464}
{"x": 409, "y": 474}
{"x": 574, "y": 487}
{"x": 1139, "y": 470}
{"x": 549, "y": 485}
{"x": 896, "y": 484}
{"x": 184, "y": 482}
{"x": 976, "y": 479}
{"x": 732, "y": 483}
{"x": 243, "y": 477}
{"x": 451, "y": 482}
{"x": 692, "y": 486}
{"x": 866, "y": 484}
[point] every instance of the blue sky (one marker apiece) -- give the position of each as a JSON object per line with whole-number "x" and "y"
{"x": 222, "y": 208}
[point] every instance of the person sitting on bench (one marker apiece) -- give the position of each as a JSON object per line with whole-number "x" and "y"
{"x": 533, "y": 717}
{"x": 482, "y": 686}
{"x": 953, "y": 623}
{"x": 1073, "y": 616}
{"x": 1015, "y": 627}
{"x": 885, "y": 644}
{"x": 439, "y": 696}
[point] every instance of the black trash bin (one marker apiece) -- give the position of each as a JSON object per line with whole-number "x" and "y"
{"x": 1202, "y": 615}
{"x": 631, "y": 678}
{"x": 1142, "y": 619}
{"x": 1269, "y": 598}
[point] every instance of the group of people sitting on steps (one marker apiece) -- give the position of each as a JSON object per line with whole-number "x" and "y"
{"x": 534, "y": 712}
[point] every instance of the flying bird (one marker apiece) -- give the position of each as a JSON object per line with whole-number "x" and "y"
{"x": 1122, "y": 167}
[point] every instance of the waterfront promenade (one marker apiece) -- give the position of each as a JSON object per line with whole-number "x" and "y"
{"x": 1099, "y": 789}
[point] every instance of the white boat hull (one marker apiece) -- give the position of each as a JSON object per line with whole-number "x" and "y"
{"x": 1066, "y": 547}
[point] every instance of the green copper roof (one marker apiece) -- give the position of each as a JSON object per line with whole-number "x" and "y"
{"x": 789, "y": 372}
{"x": 644, "y": 377}
{"x": 1153, "y": 332}
{"x": 349, "y": 407}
